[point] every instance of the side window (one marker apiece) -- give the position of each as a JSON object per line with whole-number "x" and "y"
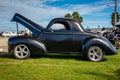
{"x": 60, "y": 27}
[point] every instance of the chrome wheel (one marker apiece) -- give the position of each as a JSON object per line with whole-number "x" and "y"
{"x": 95, "y": 53}
{"x": 21, "y": 51}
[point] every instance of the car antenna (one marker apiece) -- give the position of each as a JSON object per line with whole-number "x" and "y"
{"x": 17, "y": 28}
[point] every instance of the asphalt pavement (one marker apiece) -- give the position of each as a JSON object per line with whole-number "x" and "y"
{"x": 3, "y": 46}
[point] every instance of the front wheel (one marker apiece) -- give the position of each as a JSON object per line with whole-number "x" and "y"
{"x": 21, "y": 51}
{"x": 95, "y": 53}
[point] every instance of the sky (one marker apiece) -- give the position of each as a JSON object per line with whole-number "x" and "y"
{"x": 94, "y": 12}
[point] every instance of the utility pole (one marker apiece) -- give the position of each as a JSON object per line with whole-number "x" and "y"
{"x": 115, "y": 11}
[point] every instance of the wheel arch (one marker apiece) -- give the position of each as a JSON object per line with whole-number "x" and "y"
{"x": 35, "y": 46}
{"x": 92, "y": 42}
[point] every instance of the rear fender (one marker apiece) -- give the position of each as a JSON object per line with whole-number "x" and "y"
{"x": 93, "y": 42}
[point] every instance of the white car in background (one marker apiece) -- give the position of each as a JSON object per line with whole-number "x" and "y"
{"x": 9, "y": 34}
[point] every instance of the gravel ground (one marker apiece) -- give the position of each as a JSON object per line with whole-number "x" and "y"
{"x": 3, "y": 46}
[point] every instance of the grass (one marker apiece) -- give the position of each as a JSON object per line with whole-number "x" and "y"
{"x": 59, "y": 67}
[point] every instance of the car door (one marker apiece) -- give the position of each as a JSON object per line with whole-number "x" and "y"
{"x": 58, "y": 38}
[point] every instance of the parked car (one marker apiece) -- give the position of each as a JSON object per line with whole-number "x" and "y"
{"x": 109, "y": 35}
{"x": 8, "y": 34}
{"x": 60, "y": 36}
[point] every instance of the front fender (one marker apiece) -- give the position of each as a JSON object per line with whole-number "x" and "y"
{"x": 103, "y": 43}
{"x": 36, "y": 47}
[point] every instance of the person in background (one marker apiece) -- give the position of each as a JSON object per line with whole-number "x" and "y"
{"x": 1, "y": 33}
{"x": 117, "y": 37}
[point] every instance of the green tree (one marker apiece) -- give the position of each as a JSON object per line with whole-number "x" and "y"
{"x": 75, "y": 15}
{"x": 103, "y": 28}
{"x": 68, "y": 16}
{"x": 113, "y": 18}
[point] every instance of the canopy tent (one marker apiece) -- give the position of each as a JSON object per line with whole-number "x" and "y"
{"x": 117, "y": 24}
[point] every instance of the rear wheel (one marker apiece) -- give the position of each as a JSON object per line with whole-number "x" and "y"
{"x": 21, "y": 51}
{"x": 95, "y": 54}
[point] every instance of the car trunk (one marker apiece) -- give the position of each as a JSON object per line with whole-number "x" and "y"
{"x": 33, "y": 27}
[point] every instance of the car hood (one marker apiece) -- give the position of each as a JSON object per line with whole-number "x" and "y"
{"x": 33, "y": 27}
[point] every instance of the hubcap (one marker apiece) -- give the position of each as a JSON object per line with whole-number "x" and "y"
{"x": 21, "y": 51}
{"x": 95, "y": 53}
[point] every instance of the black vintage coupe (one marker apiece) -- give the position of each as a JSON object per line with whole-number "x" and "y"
{"x": 60, "y": 36}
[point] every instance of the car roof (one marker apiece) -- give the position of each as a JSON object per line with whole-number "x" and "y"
{"x": 65, "y": 19}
